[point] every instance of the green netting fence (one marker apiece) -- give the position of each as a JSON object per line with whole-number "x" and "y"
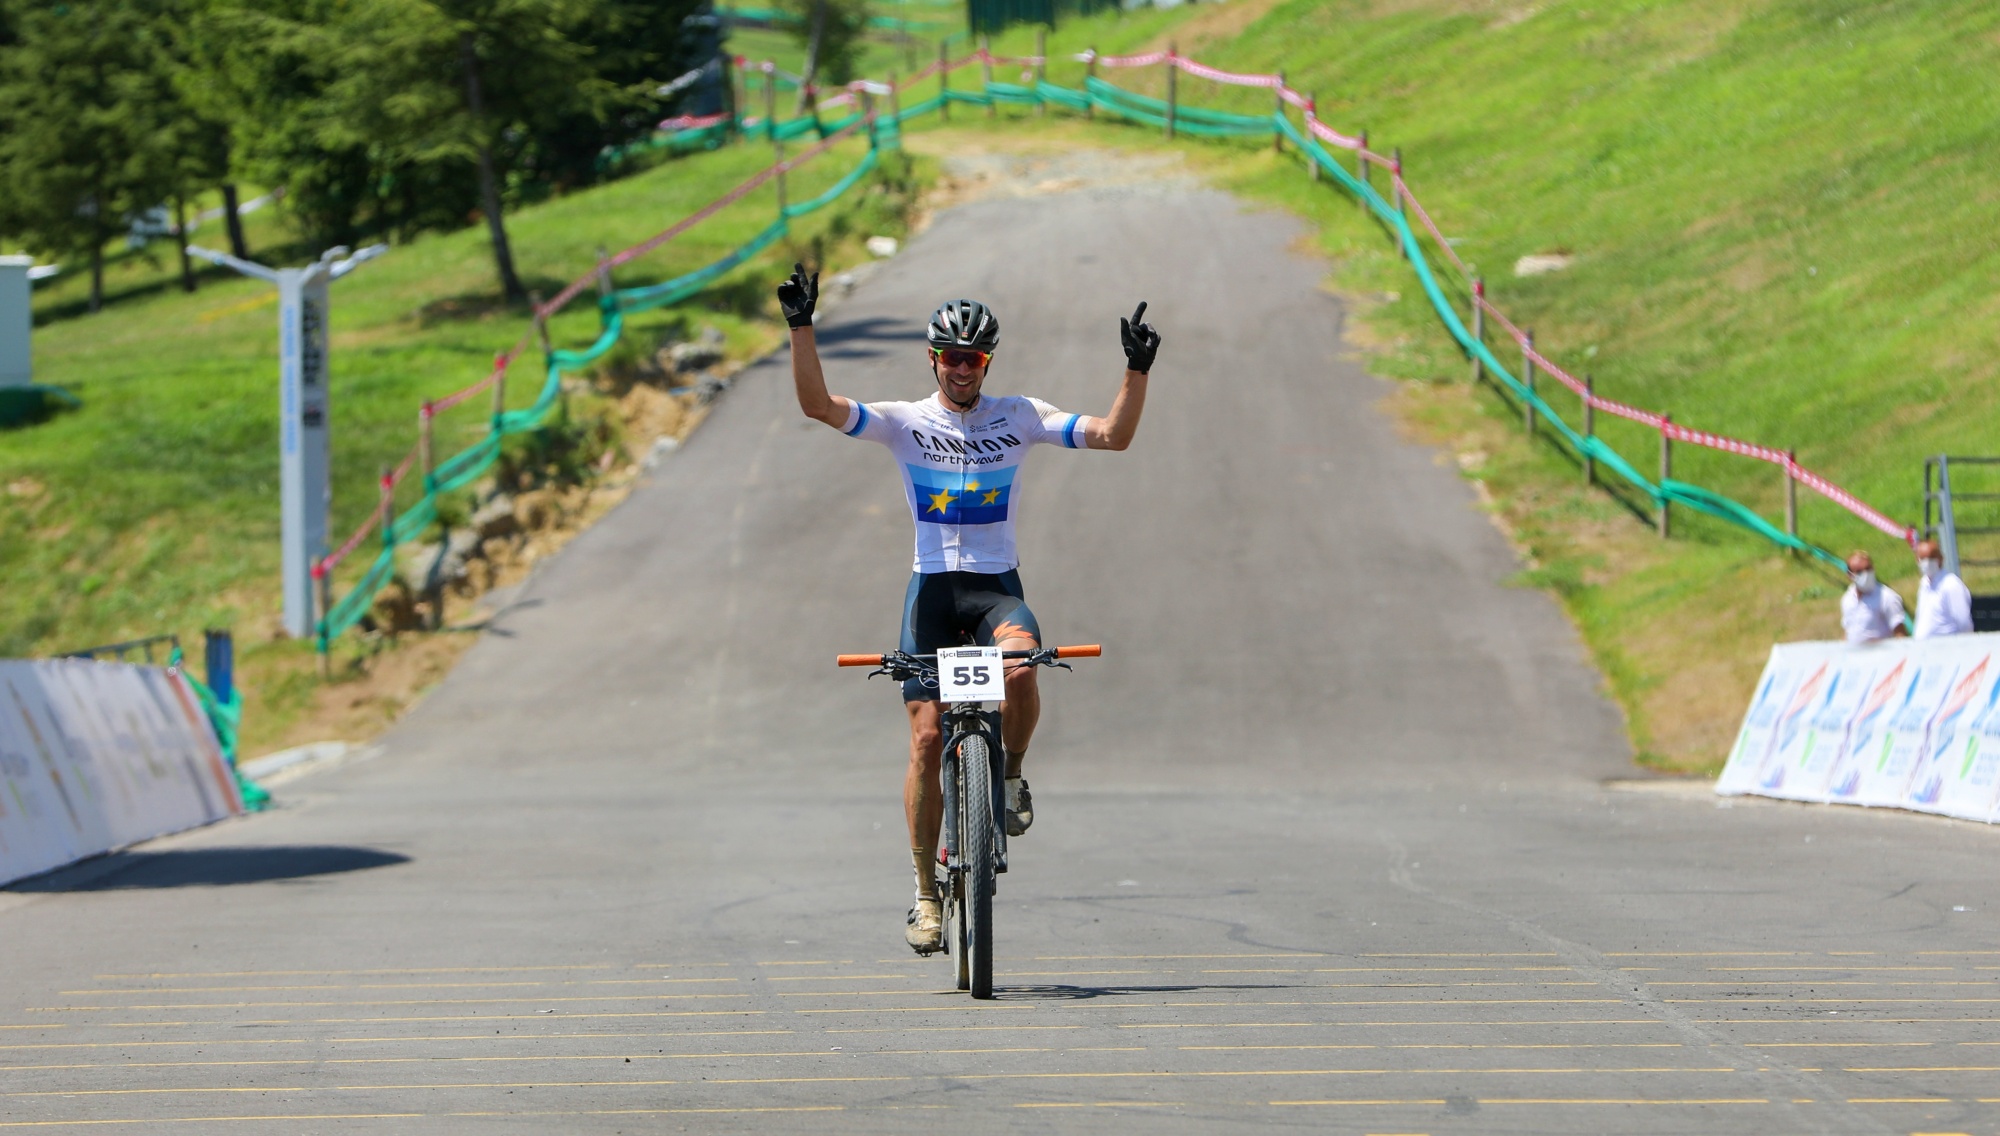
{"x": 884, "y": 127}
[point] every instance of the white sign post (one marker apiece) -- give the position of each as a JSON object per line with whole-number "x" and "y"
{"x": 16, "y": 322}
{"x": 305, "y": 487}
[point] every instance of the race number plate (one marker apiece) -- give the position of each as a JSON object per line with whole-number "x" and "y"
{"x": 970, "y": 674}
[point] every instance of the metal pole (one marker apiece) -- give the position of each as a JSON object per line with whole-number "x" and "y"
{"x": 1173, "y": 75}
{"x": 944, "y": 84}
{"x": 1791, "y": 497}
{"x": 1947, "y": 519}
{"x": 1089, "y": 73}
{"x": 1478, "y": 327}
{"x": 1528, "y": 375}
{"x": 1278, "y": 109}
{"x": 1666, "y": 473}
{"x": 1041, "y": 69}
{"x": 1589, "y": 428}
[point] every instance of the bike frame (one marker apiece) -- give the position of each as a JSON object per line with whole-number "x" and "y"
{"x": 959, "y": 720}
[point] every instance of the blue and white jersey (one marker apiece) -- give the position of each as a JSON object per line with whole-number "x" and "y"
{"x": 959, "y": 469}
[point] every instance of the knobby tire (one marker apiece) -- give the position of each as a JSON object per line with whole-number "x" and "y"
{"x": 980, "y": 857}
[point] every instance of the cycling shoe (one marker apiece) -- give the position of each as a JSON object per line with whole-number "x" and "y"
{"x": 1020, "y": 809}
{"x": 925, "y": 932}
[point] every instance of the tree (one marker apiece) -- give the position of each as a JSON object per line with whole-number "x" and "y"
{"x": 832, "y": 32}
{"x": 87, "y": 113}
{"x": 442, "y": 82}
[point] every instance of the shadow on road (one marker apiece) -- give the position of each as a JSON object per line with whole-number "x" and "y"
{"x": 1064, "y": 993}
{"x": 866, "y": 339}
{"x": 210, "y": 867}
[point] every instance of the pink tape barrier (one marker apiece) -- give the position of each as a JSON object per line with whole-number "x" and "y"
{"x": 693, "y": 122}
{"x": 1425, "y": 217}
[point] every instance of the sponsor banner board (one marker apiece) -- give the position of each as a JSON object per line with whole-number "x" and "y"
{"x": 1901, "y": 723}
{"x": 95, "y": 756}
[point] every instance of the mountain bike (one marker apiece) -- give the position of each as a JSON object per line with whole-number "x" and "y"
{"x": 970, "y": 682}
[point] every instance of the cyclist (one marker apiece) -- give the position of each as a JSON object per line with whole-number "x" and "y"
{"x": 960, "y": 450}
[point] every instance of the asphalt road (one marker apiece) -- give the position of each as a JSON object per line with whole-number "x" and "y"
{"x": 1329, "y": 840}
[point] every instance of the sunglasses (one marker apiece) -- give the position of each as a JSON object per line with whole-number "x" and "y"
{"x": 961, "y": 357}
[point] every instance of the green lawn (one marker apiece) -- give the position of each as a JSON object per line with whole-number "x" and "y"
{"x": 154, "y": 507}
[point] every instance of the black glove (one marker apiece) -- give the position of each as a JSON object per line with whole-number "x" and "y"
{"x": 1141, "y": 341}
{"x": 799, "y": 293}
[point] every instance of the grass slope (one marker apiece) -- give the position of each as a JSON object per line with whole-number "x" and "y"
{"x": 154, "y": 508}
{"x": 1778, "y": 212}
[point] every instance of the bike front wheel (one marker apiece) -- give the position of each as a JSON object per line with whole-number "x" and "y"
{"x": 980, "y": 857}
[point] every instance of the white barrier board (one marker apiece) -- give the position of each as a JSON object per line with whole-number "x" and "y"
{"x": 1903, "y": 723}
{"x": 95, "y": 756}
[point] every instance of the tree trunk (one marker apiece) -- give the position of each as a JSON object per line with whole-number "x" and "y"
{"x": 181, "y": 239}
{"x": 97, "y": 276}
{"x": 238, "y": 247}
{"x": 812, "y": 54}
{"x": 489, "y": 183}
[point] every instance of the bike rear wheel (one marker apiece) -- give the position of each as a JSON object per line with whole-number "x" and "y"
{"x": 977, "y": 852}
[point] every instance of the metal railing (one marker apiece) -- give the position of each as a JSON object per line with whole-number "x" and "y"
{"x": 1944, "y": 504}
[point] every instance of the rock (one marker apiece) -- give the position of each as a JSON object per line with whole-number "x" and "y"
{"x": 686, "y": 358}
{"x": 711, "y": 335}
{"x": 882, "y": 246}
{"x": 536, "y": 509}
{"x": 658, "y": 451}
{"x": 1543, "y": 263}
{"x": 708, "y": 385}
{"x": 496, "y": 518}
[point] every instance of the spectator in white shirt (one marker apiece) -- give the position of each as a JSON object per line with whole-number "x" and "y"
{"x": 1944, "y": 604}
{"x": 1869, "y": 611}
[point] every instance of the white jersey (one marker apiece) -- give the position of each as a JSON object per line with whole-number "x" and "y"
{"x": 959, "y": 470}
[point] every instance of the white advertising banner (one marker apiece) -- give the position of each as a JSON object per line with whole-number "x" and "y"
{"x": 95, "y": 756}
{"x": 1904, "y": 723}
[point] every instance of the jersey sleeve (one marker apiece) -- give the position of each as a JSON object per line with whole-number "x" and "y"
{"x": 1059, "y": 427}
{"x": 869, "y": 422}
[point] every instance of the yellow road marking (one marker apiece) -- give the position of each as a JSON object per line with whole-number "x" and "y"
{"x": 413, "y": 1037}
{"x": 1457, "y": 1045}
{"x": 936, "y": 1029}
{"x": 365, "y": 1002}
{"x": 619, "y": 1057}
{"x": 1622, "y": 1100}
{"x": 376, "y": 970}
{"x": 1097, "y": 1104}
{"x": 212, "y": 1119}
{"x": 1285, "y": 1103}
{"x": 238, "y": 989}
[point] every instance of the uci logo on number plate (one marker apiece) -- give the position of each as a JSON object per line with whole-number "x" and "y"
{"x": 970, "y": 674}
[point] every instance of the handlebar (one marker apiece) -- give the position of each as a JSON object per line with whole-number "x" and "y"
{"x": 1086, "y": 651}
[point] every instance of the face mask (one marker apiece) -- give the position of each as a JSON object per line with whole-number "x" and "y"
{"x": 1930, "y": 568}
{"x": 1864, "y": 581}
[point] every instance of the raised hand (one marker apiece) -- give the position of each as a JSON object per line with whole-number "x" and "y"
{"x": 1141, "y": 341}
{"x": 798, "y": 295}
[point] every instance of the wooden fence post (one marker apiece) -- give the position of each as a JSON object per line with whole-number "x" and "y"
{"x": 1041, "y": 69}
{"x": 944, "y": 84}
{"x": 1312, "y": 116}
{"x": 1589, "y": 428}
{"x": 1278, "y": 103}
{"x": 1791, "y": 498}
{"x": 1478, "y": 327}
{"x": 500, "y": 393}
{"x": 323, "y": 576}
{"x": 604, "y": 288}
{"x": 1089, "y": 73}
{"x": 986, "y": 73}
{"x": 1173, "y": 76}
{"x": 896, "y": 107}
{"x": 1528, "y": 376}
{"x": 1666, "y": 472}
{"x": 1396, "y": 179}
{"x": 771, "y": 106}
{"x": 1367, "y": 174}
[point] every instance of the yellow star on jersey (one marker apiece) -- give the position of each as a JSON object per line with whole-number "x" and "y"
{"x": 972, "y": 485}
{"x": 992, "y": 495}
{"x": 939, "y": 500}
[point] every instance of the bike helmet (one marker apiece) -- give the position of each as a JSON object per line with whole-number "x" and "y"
{"x": 964, "y": 323}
